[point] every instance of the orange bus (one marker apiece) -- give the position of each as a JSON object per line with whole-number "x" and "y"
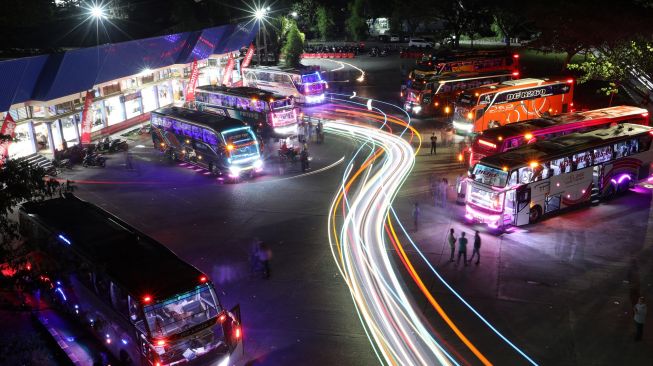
{"x": 491, "y": 106}
{"x": 514, "y": 135}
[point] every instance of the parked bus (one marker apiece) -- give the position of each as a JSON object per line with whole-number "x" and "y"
{"x": 517, "y": 187}
{"x": 437, "y": 94}
{"x": 137, "y": 297}
{"x": 514, "y": 135}
{"x": 491, "y": 106}
{"x": 220, "y": 144}
{"x": 470, "y": 62}
{"x": 267, "y": 113}
{"x": 306, "y": 86}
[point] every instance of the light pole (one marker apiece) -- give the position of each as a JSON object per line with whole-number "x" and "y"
{"x": 260, "y": 15}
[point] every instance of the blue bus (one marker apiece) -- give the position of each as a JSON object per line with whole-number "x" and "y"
{"x": 146, "y": 305}
{"x": 223, "y": 145}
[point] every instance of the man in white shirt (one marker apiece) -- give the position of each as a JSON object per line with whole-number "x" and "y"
{"x": 640, "y": 318}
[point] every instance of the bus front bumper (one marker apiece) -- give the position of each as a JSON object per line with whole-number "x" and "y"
{"x": 463, "y": 128}
{"x": 493, "y": 220}
{"x": 236, "y": 171}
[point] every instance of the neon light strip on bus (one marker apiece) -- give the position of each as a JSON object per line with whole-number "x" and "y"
{"x": 487, "y": 143}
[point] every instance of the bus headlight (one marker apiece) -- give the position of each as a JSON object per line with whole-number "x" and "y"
{"x": 234, "y": 171}
{"x": 417, "y": 109}
{"x": 258, "y": 164}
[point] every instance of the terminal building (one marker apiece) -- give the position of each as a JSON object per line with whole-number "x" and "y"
{"x": 45, "y": 94}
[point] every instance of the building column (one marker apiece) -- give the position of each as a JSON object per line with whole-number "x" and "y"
{"x": 77, "y": 127}
{"x": 124, "y": 109}
{"x": 48, "y": 125}
{"x": 105, "y": 120}
{"x": 32, "y": 135}
{"x": 157, "y": 104}
{"x": 60, "y": 128}
{"x": 140, "y": 103}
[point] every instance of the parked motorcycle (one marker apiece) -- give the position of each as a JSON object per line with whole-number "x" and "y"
{"x": 94, "y": 160}
{"x": 111, "y": 145}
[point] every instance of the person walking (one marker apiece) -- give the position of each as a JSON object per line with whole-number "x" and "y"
{"x": 476, "y": 250}
{"x": 434, "y": 141}
{"x": 452, "y": 243}
{"x": 462, "y": 248}
{"x": 416, "y": 214}
{"x": 304, "y": 158}
{"x": 318, "y": 132}
{"x": 444, "y": 187}
{"x": 640, "y": 318}
{"x": 264, "y": 255}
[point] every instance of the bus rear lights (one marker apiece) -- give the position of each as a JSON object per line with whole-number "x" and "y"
{"x": 515, "y": 56}
{"x": 203, "y": 279}
{"x": 222, "y": 318}
{"x": 645, "y": 114}
{"x": 147, "y": 299}
{"x": 237, "y": 332}
{"x": 515, "y": 73}
{"x": 160, "y": 342}
{"x": 570, "y": 81}
{"x": 528, "y": 136}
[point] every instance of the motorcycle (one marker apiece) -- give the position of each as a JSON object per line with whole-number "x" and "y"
{"x": 118, "y": 145}
{"x": 373, "y": 52}
{"x": 94, "y": 160}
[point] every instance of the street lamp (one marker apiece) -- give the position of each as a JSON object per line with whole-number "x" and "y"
{"x": 293, "y": 14}
{"x": 260, "y": 14}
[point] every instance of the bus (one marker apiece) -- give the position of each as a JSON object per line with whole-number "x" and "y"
{"x": 220, "y": 144}
{"x": 470, "y": 62}
{"x": 267, "y": 113}
{"x": 511, "y": 136}
{"x": 519, "y": 186}
{"x": 146, "y": 305}
{"x": 436, "y": 95}
{"x": 491, "y": 106}
{"x": 306, "y": 86}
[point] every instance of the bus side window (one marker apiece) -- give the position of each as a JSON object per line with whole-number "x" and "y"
{"x": 644, "y": 142}
{"x": 102, "y": 286}
{"x": 525, "y": 175}
{"x": 119, "y": 299}
{"x": 513, "y": 178}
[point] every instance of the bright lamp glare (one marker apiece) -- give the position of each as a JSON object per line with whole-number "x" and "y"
{"x": 294, "y": 14}
{"x": 259, "y": 14}
{"x": 97, "y": 12}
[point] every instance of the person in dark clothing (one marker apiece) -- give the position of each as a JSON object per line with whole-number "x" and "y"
{"x": 434, "y": 141}
{"x": 477, "y": 248}
{"x": 462, "y": 248}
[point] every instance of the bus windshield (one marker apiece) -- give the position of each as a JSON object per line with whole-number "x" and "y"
{"x": 243, "y": 143}
{"x": 466, "y": 100}
{"x": 182, "y": 312}
{"x": 491, "y": 176}
{"x": 311, "y": 78}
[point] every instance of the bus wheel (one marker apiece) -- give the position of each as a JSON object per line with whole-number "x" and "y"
{"x": 609, "y": 192}
{"x": 213, "y": 169}
{"x": 534, "y": 214}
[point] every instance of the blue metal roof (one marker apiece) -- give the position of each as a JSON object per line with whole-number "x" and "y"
{"x": 53, "y": 76}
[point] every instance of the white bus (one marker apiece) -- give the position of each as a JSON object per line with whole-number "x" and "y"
{"x": 306, "y": 86}
{"x": 519, "y": 186}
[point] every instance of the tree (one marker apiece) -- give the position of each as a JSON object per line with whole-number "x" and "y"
{"x": 19, "y": 182}
{"x": 325, "y": 23}
{"x": 294, "y": 46}
{"x": 409, "y": 13}
{"x": 355, "y": 24}
{"x": 509, "y": 24}
{"x": 306, "y": 16}
{"x": 615, "y": 64}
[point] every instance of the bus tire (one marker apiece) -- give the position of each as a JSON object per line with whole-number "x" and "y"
{"x": 609, "y": 192}
{"x": 535, "y": 214}
{"x": 213, "y": 169}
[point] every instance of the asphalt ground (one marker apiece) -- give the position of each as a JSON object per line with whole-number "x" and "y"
{"x": 561, "y": 290}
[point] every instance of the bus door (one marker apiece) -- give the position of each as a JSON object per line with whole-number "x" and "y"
{"x": 597, "y": 176}
{"x": 523, "y": 207}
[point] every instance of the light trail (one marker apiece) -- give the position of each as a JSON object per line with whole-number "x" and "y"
{"x": 391, "y": 320}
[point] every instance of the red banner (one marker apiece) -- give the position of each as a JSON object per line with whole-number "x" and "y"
{"x": 8, "y": 129}
{"x": 192, "y": 82}
{"x": 248, "y": 56}
{"x": 226, "y": 77}
{"x": 87, "y": 118}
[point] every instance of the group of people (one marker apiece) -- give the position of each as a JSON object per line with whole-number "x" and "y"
{"x": 306, "y": 131}
{"x": 439, "y": 191}
{"x": 462, "y": 247}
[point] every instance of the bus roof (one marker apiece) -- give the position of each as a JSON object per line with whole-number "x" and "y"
{"x": 562, "y": 146}
{"x": 141, "y": 265}
{"x": 290, "y": 70}
{"x": 242, "y": 91}
{"x": 511, "y": 84}
{"x": 215, "y": 121}
{"x": 521, "y": 128}
{"x": 454, "y": 76}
